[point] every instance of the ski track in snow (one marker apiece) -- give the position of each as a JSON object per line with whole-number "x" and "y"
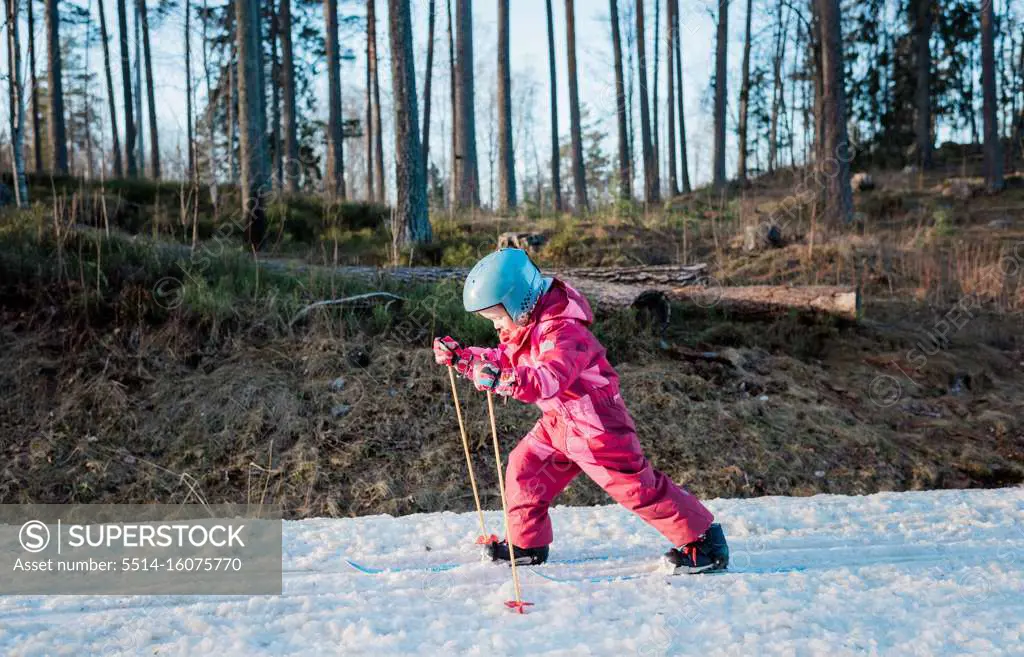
{"x": 923, "y": 573}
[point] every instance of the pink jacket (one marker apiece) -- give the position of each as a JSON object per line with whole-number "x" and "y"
{"x": 555, "y": 358}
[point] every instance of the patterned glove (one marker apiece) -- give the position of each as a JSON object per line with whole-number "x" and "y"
{"x": 448, "y": 352}
{"x": 489, "y": 377}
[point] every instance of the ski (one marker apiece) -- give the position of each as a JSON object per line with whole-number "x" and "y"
{"x": 442, "y": 567}
{"x": 656, "y": 571}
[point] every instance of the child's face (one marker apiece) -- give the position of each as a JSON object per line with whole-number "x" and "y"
{"x": 498, "y": 317}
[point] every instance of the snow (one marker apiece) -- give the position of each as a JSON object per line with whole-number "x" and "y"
{"x": 923, "y": 573}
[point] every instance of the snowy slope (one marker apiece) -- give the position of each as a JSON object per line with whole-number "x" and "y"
{"x": 905, "y": 574}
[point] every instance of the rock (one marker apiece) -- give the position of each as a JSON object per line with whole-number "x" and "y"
{"x": 341, "y": 410}
{"x": 528, "y": 242}
{"x": 733, "y": 356}
{"x": 1003, "y": 223}
{"x": 338, "y": 384}
{"x": 761, "y": 236}
{"x": 862, "y": 182}
{"x": 961, "y": 189}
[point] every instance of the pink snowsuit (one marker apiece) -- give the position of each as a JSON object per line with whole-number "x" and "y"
{"x": 558, "y": 364}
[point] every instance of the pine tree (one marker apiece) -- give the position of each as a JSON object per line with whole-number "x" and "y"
{"x": 506, "y": 159}
{"x": 467, "y": 180}
{"x": 55, "y": 83}
{"x": 126, "y": 90}
{"x": 651, "y": 185}
{"x": 112, "y": 103}
{"x": 993, "y": 149}
{"x": 335, "y": 180}
{"x": 255, "y": 178}
{"x": 625, "y": 169}
{"x": 410, "y": 173}
{"x": 579, "y": 179}
{"x": 556, "y": 178}
{"x": 721, "y": 84}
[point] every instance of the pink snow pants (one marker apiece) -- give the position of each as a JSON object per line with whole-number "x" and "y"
{"x": 596, "y": 435}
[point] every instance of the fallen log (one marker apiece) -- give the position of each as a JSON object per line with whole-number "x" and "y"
{"x": 833, "y": 300}
{"x": 750, "y": 302}
{"x": 654, "y": 276}
{"x": 648, "y": 288}
{"x": 651, "y": 289}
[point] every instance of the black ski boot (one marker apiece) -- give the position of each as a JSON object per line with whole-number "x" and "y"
{"x": 524, "y": 556}
{"x": 708, "y": 553}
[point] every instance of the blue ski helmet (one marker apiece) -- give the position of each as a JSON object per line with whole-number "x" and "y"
{"x": 508, "y": 277}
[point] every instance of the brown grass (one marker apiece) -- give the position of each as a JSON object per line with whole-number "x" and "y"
{"x": 117, "y": 408}
{"x": 108, "y": 415}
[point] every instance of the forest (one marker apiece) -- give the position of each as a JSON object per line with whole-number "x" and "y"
{"x": 230, "y": 231}
{"x": 820, "y": 86}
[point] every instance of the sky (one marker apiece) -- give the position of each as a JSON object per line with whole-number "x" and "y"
{"x": 529, "y": 60}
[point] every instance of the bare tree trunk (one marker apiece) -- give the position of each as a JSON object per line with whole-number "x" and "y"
{"x": 334, "y": 180}
{"x": 628, "y": 25}
{"x": 428, "y": 76}
{"x": 292, "y": 166}
{"x": 154, "y": 140}
{"x": 819, "y": 86}
{"x": 721, "y": 84}
{"x": 923, "y": 76}
{"x": 683, "y": 162}
{"x": 112, "y": 103}
{"x": 452, "y": 185}
{"x": 778, "y": 97}
{"x": 673, "y": 180}
{"x": 232, "y": 112}
{"x": 37, "y": 142}
{"x": 467, "y": 180}
{"x": 579, "y": 177}
{"x": 126, "y": 91}
{"x": 792, "y": 100}
{"x": 371, "y": 193}
{"x": 410, "y": 173}
{"x": 378, "y": 132}
{"x": 625, "y": 182}
{"x": 210, "y": 107}
{"x": 90, "y": 160}
{"x": 17, "y": 107}
{"x": 651, "y": 184}
{"x": 993, "y": 150}
{"x": 1018, "y": 81}
{"x": 255, "y": 181}
{"x": 655, "y": 131}
{"x": 58, "y": 140}
{"x": 834, "y": 165}
{"x": 275, "y": 97}
{"x": 810, "y": 86}
{"x": 140, "y": 141}
{"x": 741, "y": 167}
{"x": 190, "y": 137}
{"x": 506, "y": 157}
{"x": 556, "y": 172}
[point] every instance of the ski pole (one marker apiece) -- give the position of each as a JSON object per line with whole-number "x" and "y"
{"x": 518, "y": 603}
{"x": 483, "y": 538}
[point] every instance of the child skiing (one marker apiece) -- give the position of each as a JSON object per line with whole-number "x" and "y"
{"x": 547, "y": 356}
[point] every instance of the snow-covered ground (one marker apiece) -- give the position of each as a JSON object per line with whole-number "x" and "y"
{"x": 931, "y": 573}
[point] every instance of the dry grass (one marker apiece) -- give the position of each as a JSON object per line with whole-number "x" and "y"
{"x": 111, "y": 402}
{"x": 103, "y": 416}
